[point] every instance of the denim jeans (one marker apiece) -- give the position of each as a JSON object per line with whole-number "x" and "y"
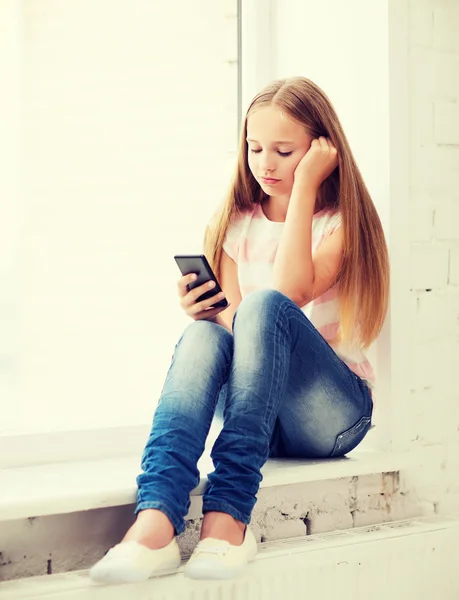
{"x": 281, "y": 390}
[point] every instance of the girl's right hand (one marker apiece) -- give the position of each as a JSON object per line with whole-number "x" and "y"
{"x": 198, "y": 310}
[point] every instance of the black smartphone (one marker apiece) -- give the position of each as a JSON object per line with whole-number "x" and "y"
{"x": 197, "y": 263}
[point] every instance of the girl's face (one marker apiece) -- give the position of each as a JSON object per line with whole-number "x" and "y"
{"x": 276, "y": 144}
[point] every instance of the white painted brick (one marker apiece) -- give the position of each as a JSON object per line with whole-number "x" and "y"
{"x": 447, "y": 220}
{"x": 426, "y": 509}
{"x": 454, "y": 266}
{"x": 411, "y": 418}
{"x": 434, "y": 170}
{"x": 429, "y": 267}
{"x": 437, "y": 316}
{"x": 434, "y": 366}
{"x": 293, "y": 509}
{"x": 447, "y": 76}
{"x": 420, "y": 23}
{"x": 431, "y": 494}
{"x": 280, "y": 530}
{"x": 445, "y": 28}
{"x": 397, "y": 508}
{"x": 364, "y": 518}
{"x": 433, "y": 75}
{"x": 421, "y": 120}
{"x": 422, "y": 209}
{"x": 450, "y": 465}
{"x": 303, "y": 496}
{"x": 440, "y": 417}
{"x": 421, "y": 73}
{"x": 446, "y": 119}
{"x": 369, "y": 484}
{"x": 323, "y": 522}
{"x": 449, "y": 504}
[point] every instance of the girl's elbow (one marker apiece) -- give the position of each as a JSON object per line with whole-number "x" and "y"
{"x": 298, "y": 296}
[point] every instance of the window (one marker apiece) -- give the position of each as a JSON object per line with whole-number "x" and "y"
{"x": 130, "y": 123}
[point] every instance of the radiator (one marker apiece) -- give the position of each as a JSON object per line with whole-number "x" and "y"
{"x": 406, "y": 560}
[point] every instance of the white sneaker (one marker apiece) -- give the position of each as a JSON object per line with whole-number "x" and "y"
{"x": 130, "y": 561}
{"x": 218, "y": 559}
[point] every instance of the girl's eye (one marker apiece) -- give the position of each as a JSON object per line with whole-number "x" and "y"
{"x": 257, "y": 151}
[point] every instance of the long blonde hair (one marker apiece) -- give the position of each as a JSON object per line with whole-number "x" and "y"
{"x": 363, "y": 280}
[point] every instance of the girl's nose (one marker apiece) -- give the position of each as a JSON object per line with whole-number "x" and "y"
{"x": 267, "y": 163}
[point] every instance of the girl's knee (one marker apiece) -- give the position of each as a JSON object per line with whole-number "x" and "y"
{"x": 201, "y": 336}
{"x": 259, "y": 304}
{"x": 203, "y": 330}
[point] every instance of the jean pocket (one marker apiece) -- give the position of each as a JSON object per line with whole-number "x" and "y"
{"x": 351, "y": 438}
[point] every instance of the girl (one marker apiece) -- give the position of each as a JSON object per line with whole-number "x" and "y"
{"x": 301, "y": 257}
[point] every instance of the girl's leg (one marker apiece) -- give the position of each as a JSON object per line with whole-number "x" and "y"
{"x": 199, "y": 368}
{"x": 309, "y": 425}
{"x": 277, "y": 349}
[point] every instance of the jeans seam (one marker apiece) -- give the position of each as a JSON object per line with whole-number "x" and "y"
{"x": 222, "y": 506}
{"x": 177, "y": 523}
{"x": 268, "y": 413}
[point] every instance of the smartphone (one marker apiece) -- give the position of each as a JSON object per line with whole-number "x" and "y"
{"x": 197, "y": 263}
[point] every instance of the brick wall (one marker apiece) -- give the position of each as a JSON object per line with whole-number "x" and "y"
{"x": 434, "y": 196}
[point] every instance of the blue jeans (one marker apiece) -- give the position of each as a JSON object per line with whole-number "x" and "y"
{"x": 282, "y": 390}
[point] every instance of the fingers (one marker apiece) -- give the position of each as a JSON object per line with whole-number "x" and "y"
{"x": 188, "y": 299}
{"x": 210, "y": 313}
{"x": 195, "y": 293}
{"x": 192, "y": 295}
{"x": 183, "y": 282}
{"x": 323, "y": 144}
{"x": 197, "y": 307}
{"x": 326, "y": 145}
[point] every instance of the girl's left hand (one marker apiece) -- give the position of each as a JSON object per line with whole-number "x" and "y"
{"x": 318, "y": 163}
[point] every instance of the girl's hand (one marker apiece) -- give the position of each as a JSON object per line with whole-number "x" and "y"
{"x": 198, "y": 310}
{"x": 318, "y": 163}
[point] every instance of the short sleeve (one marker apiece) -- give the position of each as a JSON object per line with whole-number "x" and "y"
{"x": 233, "y": 237}
{"x": 334, "y": 223}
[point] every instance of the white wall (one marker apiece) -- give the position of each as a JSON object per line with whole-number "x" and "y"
{"x": 129, "y": 134}
{"x": 433, "y": 404}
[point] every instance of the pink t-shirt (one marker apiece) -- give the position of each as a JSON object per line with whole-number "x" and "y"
{"x": 252, "y": 241}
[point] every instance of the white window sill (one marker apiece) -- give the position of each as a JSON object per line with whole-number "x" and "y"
{"x": 60, "y": 488}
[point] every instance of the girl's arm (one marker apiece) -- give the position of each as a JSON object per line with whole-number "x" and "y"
{"x": 230, "y": 285}
{"x": 297, "y": 273}
{"x": 293, "y": 270}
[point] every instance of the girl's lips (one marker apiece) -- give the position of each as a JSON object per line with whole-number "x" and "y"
{"x": 269, "y": 180}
